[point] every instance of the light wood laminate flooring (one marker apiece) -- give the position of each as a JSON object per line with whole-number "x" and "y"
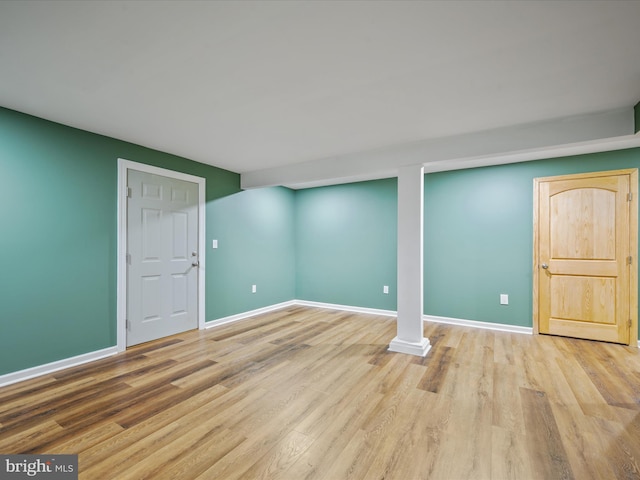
{"x": 306, "y": 393}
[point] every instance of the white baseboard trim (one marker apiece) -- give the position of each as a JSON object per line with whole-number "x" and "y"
{"x": 250, "y": 313}
{"x": 346, "y": 308}
{"x": 48, "y": 368}
{"x": 475, "y": 324}
{"x": 419, "y": 349}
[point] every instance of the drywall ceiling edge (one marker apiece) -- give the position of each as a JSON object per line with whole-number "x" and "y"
{"x": 512, "y": 144}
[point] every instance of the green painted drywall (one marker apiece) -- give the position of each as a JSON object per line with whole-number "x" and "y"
{"x": 58, "y": 188}
{"x": 479, "y": 235}
{"x": 636, "y": 111}
{"x": 346, "y": 243}
{"x": 255, "y": 237}
{"x": 334, "y": 244}
{"x": 477, "y": 245}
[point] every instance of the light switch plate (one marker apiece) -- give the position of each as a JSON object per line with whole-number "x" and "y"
{"x": 504, "y": 299}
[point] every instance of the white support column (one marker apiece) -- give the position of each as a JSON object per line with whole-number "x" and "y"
{"x": 410, "y": 337}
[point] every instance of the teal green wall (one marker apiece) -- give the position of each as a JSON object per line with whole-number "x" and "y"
{"x": 335, "y": 244}
{"x": 58, "y": 188}
{"x": 636, "y": 110}
{"x": 479, "y": 235}
{"x": 346, "y": 244}
{"x": 478, "y": 239}
{"x": 256, "y": 246}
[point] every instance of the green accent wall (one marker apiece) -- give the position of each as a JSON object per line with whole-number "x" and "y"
{"x": 479, "y": 235}
{"x": 346, "y": 243}
{"x": 58, "y": 189}
{"x": 256, "y": 246}
{"x": 636, "y": 111}
{"x": 478, "y": 239}
{"x": 337, "y": 244}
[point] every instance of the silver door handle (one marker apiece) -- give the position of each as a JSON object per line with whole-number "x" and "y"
{"x": 545, "y": 266}
{"x": 196, "y": 263}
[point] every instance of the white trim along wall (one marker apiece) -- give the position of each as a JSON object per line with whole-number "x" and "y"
{"x": 99, "y": 354}
{"x": 500, "y": 327}
{"x": 52, "y": 367}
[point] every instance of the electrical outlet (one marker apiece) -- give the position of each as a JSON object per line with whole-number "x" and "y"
{"x": 253, "y": 289}
{"x": 504, "y": 299}
{"x": 385, "y": 289}
{"x": 214, "y": 243}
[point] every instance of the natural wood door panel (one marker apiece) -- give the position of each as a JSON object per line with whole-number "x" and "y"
{"x": 583, "y": 299}
{"x": 585, "y": 240}
{"x": 582, "y": 224}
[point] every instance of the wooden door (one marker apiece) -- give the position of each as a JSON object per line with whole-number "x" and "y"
{"x": 585, "y": 266}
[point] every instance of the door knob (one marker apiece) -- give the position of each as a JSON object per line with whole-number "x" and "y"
{"x": 195, "y": 264}
{"x": 545, "y": 266}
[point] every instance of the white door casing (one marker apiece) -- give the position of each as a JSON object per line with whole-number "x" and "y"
{"x": 160, "y": 293}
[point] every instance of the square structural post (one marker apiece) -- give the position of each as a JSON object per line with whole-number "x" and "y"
{"x": 410, "y": 338}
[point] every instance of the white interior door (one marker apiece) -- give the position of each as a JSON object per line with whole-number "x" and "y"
{"x": 162, "y": 247}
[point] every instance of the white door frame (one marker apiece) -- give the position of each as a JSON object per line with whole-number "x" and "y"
{"x": 123, "y": 169}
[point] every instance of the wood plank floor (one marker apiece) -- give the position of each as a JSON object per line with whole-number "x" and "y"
{"x": 306, "y": 393}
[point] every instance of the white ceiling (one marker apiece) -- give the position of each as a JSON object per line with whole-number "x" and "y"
{"x": 268, "y": 86}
